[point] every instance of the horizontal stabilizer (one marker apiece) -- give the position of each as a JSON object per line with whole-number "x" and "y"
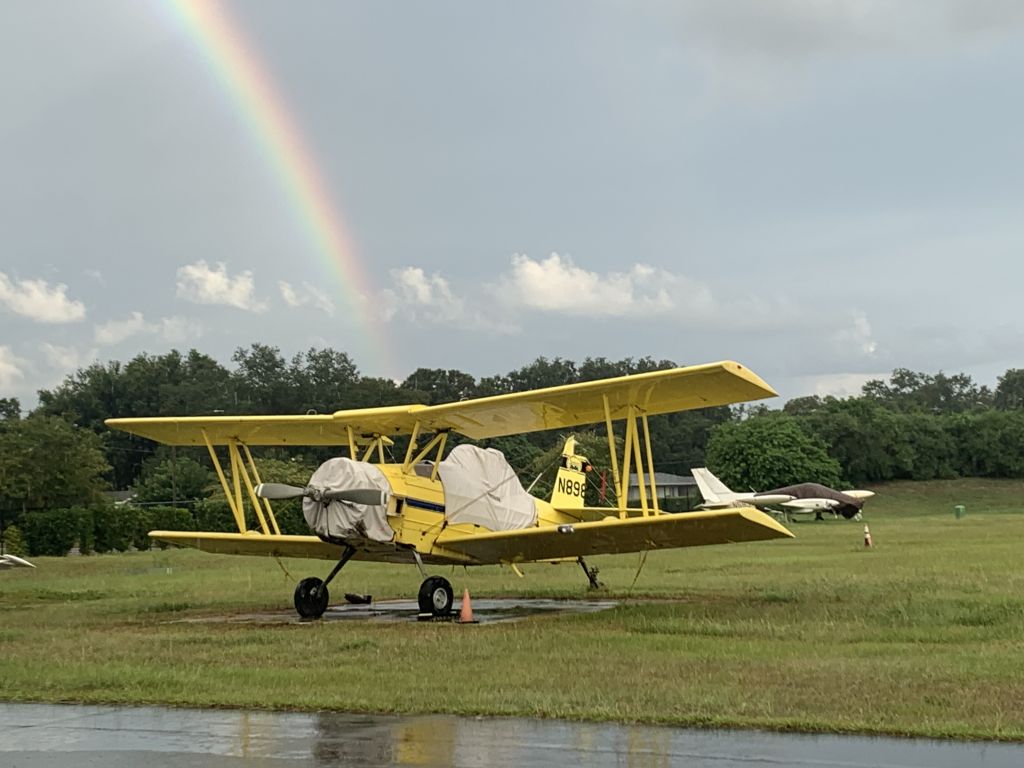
{"x": 13, "y": 561}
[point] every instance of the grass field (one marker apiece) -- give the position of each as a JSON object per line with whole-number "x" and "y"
{"x": 923, "y": 635}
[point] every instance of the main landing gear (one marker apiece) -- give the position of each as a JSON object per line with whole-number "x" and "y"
{"x": 595, "y": 583}
{"x": 436, "y": 596}
{"x": 311, "y": 595}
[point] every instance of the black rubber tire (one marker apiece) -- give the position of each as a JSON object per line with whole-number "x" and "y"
{"x": 311, "y": 598}
{"x": 436, "y": 596}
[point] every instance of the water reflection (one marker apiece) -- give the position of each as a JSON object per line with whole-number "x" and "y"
{"x": 61, "y": 735}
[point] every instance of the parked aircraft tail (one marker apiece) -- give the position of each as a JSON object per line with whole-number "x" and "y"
{"x": 711, "y": 488}
{"x": 570, "y": 487}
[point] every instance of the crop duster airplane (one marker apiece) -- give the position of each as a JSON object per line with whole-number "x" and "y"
{"x": 469, "y": 508}
{"x": 794, "y": 499}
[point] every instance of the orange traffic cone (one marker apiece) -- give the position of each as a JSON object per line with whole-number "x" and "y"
{"x": 466, "y": 611}
{"x": 867, "y": 538}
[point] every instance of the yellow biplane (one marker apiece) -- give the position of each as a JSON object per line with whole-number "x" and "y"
{"x": 468, "y": 508}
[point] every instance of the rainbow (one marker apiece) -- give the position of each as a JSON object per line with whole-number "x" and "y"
{"x": 249, "y": 86}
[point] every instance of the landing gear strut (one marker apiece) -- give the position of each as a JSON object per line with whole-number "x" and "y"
{"x": 591, "y": 574}
{"x": 311, "y": 595}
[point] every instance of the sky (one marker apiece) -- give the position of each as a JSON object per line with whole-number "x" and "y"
{"x": 822, "y": 190}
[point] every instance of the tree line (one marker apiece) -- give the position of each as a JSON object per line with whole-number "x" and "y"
{"x": 61, "y": 456}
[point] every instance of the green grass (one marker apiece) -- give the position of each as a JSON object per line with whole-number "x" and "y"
{"x": 922, "y": 635}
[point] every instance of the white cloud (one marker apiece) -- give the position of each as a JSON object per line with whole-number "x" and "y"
{"x": 202, "y": 284}
{"x": 557, "y": 284}
{"x": 115, "y": 331}
{"x": 12, "y": 369}
{"x": 857, "y": 335}
{"x": 308, "y": 295}
{"x": 35, "y": 299}
{"x": 174, "y": 329}
{"x": 429, "y": 297}
{"x": 67, "y": 359}
{"x": 177, "y": 329}
{"x": 424, "y": 298}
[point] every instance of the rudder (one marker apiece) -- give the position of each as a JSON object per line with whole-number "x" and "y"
{"x": 570, "y": 488}
{"x": 711, "y": 488}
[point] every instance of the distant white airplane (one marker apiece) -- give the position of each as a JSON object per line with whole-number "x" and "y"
{"x": 794, "y": 499}
{"x": 13, "y": 561}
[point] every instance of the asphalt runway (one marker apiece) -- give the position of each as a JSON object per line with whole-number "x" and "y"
{"x": 75, "y": 736}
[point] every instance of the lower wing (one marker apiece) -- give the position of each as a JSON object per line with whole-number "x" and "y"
{"x": 298, "y": 546}
{"x": 250, "y": 544}
{"x": 615, "y": 536}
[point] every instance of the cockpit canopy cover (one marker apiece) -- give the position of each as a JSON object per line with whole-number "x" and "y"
{"x": 343, "y": 519}
{"x": 480, "y": 487}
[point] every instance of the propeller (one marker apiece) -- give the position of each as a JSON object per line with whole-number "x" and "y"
{"x": 368, "y": 496}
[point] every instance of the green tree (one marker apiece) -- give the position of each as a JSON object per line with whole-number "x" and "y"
{"x": 1009, "y": 393}
{"x": 114, "y": 526}
{"x": 767, "y": 452}
{"x": 440, "y": 385}
{"x": 52, "y": 531}
{"x": 867, "y": 438}
{"x": 263, "y": 382}
{"x": 989, "y": 443}
{"x": 543, "y": 373}
{"x": 47, "y": 463}
{"x": 10, "y": 409}
{"x": 908, "y": 390}
{"x": 164, "y": 385}
{"x": 173, "y": 480}
{"x": 321, "y": 377}
{"x": 12, "y": 542}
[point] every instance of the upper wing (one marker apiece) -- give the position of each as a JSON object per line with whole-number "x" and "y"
{"x": 571, "y": 405}
{"x": 615, "y": 536}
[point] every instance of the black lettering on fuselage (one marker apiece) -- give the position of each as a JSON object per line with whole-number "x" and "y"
{"x": 571, "y": 487}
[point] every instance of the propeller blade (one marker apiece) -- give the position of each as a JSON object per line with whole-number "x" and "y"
{"x": 279, "y": 491}
{"x": 370, "y": 496}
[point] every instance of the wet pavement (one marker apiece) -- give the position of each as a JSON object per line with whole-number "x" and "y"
{"x": 74, "y": 736}
{"x": 484, "y": 611}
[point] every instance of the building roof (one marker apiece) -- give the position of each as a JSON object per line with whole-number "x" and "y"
{"x": 664, "y": 479}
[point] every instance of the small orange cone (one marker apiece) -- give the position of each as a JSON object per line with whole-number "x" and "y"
{"x": 466, "y": 611}
{"x": 867, "y": 538}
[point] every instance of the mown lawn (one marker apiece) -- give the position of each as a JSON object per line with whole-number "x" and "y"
{"x": 924, "y": 634}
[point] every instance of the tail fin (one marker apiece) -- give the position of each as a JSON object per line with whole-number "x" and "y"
{"x": 570, "y": 487}
{"x": 712, "y": 489}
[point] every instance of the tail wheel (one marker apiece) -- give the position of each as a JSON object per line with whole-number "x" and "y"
{"x": 436, "y": 596}
{"x": 311, "y": 598}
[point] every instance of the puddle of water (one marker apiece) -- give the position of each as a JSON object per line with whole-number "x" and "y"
{"x": 484, "y": 611}
{"x": 70, "y": 736}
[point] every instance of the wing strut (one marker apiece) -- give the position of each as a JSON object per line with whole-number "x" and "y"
{"x": 243, "y": 472}
{"x": 633, "y": 454}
